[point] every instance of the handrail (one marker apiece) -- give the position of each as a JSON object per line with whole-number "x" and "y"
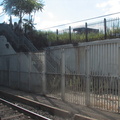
{"x": 57, "y": 61}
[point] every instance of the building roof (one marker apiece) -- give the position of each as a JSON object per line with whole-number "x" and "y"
{"x": 83, "y": 29}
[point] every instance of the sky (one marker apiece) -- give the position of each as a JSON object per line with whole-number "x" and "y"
{"x": 57, "y": 12}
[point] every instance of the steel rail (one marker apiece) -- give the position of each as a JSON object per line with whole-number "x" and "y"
{"x": 25, "y": 111}
{"x": 50, "y": 109}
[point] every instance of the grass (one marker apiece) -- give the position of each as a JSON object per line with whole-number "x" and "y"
{"x": 113, "y": 31}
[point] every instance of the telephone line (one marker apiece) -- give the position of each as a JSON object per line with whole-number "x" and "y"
{"x": 81, "y": 20}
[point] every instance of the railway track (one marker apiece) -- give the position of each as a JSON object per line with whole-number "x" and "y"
{"x": 53, "y": 112}
{"x": 11, "y": 111}
{"x": 26, "y": 109}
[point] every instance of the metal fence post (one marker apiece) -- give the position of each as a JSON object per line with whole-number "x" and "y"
{"x": 118, "y": 79}
{"x": 87, "y": 98}
{"x": 57, "y": 35}
{"x": 63, "y": 74}
{"x": 105, "y": 29}
{"x": 118, "y": 95}
{"x": 86, "y": 33}
{"x": 70, "y": 33}
{"x": 44, "y": 73}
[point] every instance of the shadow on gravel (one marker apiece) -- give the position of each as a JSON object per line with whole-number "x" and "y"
{"x": 76, "y": 109}
{"x": 35, "y": 98}
{"x": 46, "y": 99}
{"x": 52, "y": 102}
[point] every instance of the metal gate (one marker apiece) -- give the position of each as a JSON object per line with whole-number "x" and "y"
{"x": 87, "y": 74}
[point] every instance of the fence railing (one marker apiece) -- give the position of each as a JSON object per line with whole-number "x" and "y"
{"x": 94, "y": 80}
{"x": 105, "y": 29}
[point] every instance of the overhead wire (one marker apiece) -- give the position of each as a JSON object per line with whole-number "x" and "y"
{"x": 81, "y": 20}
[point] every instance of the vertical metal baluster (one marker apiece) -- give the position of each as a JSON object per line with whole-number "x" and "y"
{"x": 82, "y": 85}
{"x": 117, "y": 69}
{"x": 99, "y": 92}
{"x": 102, "y": 99}
{"x": 118, "y": 95}
{"x": 79, "y": 92}
{"x": 77, "y": 96}
{"x": 107, "y": 91}
{"x": 91, "y": 92}
{"x": 76, "y": 89}
{"x": 71, "y": 86}
{"x": 104, "y": 91}
{"x": 115, "y": 94}
{"x": 95, "y": 92}
{"x": 72, "y": 89}
{"x": 84, "y": 92}
{"x": 111, "y": 94}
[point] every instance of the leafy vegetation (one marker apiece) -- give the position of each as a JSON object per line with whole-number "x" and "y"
{"x": 47, "y": 38}
{"x": 112, "y": 31}
{"x": 21, "y": 7}
{"x": 38, "y": 38}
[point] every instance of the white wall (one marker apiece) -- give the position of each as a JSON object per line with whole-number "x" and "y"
{"x": 3, "y": 47}
{"x": 104, "y": 57}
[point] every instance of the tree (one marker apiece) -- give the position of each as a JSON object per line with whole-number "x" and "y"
{"x": 28, "y": 26}
{"x": 21, "y": 7}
